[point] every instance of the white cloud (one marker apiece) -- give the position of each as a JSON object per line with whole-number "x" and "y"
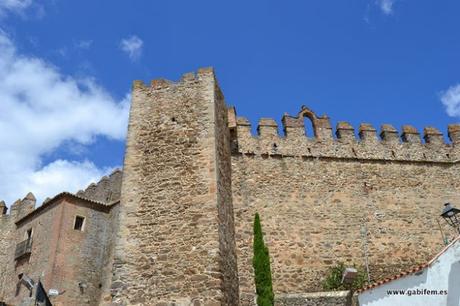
{"x": 73, "y": 175}
{"x": 40, "y": 110}
{"x": 386, "y": 6}
{"x": 63, "y": 52}
{"x": 451, "y": 100}
{"x": 23, "y": 8}
{"x": 15, "y": 6}
{"x": 84, "y": 44}
{"x": 132, "y": 46}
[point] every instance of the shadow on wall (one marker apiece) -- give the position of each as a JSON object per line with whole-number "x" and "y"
{"x": 453, "y": 292}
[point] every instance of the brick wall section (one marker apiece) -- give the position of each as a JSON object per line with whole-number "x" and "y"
{"x": 46, "y": 230}
{"x": 47, "y": 226}
{"x": 171, "y": 220}
{"x": 61, "y": 256}
{"x": 315, "y": 197}
{"x": 81, "y": 255}
{"x": 13, "y": 267}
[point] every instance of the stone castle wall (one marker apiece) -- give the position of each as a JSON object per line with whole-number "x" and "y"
{"x": 44, "y": 242}
{"x": 176, "y": 237}
{"x": 8, "y": 238}
{"x": 225, "y": 201}
{"x": 60, "y": 256}
{"x": 326, "y": 200}
{"x": 107, "y": 190}
{"x": 194, "y": 176}
{"x": 6, "y": 249}
{"x": 81, "y": 255}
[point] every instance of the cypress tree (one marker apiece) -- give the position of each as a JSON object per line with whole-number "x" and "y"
{"x": 261, "y": 264}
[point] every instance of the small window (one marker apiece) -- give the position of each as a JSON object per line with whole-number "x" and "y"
{"x": 79, "y": 223}
{"x": 28, "y": 234}
{"x": 18, "y": 285}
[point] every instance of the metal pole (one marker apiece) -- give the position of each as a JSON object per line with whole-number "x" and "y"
{"x": 366, "y": 256}
{"x": 444, "y": 238}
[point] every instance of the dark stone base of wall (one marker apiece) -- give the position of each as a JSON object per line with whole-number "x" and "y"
{"x": 331, "y": 298}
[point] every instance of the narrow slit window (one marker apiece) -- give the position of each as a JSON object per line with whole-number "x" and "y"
{"x": 18, "y": 285}
{"x": 29, "y": 234}
{"x": 79, "y": 223}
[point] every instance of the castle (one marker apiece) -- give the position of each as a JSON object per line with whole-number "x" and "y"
{"x": 175, "y": 227}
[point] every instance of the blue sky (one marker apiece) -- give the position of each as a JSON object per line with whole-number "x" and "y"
{"x": 66, "y": 68}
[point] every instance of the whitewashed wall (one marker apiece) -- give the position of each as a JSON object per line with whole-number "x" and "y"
{"x": 442, "y": 274}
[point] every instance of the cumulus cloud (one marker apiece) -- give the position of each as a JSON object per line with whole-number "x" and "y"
{"x": 132, "y": 46}
{"x": 15, "y": 6}
{"x": 386, "y": 6}
{"x": 451, "y": 100}
{"x": 41, "y": 109}
{"x": 49, "y": 180}
{"x": 84, "y": 44}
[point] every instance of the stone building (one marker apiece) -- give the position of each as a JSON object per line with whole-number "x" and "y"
{"x": 194, "y": 176}
{"x": 65, "y": 244}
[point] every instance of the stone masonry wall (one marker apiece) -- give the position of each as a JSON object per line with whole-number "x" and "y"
{"x": 81, "y": 255}
{"x": 106, "y": 190}
{"x": 194, "y": 176}
{"x": 325, "y": 200}
{"x": 107, "y": 265}
{"x": 331, "y": 298}
{"x": 8, "y": 239}
{"x": 6, "y": 229}
{"x": 327, "y": 298}
{"x": 224, "y": 201}
{"x": 171, "y": 220}
{"x": 45, "y": 233}
{"x": 65, "y": 259}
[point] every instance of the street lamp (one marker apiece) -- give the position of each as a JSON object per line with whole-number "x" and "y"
{"x": 449, "y": 214}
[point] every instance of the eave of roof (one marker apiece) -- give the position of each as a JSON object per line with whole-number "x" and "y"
{"x": 408, "y": 272}
{"x": 63, "y": 195}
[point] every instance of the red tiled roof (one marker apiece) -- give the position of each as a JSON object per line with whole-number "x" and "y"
{"x": 407, "y": 272}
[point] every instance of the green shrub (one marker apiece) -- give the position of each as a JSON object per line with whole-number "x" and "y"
{"x": 261, "y": 264}
{"x": 333, "y": 280}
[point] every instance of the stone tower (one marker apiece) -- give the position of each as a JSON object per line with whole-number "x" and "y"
{"x": 176, "y": 242}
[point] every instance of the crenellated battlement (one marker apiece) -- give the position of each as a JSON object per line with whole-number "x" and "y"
{"x": 3, "y": 208}
{"x": 387, "y": 144}
{"x": 186, "y": 79}
{"x": 106, "y": 190}
{"x": 19, "y": 208}
{"x": 322, "y": 198}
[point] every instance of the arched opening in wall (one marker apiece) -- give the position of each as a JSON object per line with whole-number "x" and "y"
{"x": 308, "y": 126}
